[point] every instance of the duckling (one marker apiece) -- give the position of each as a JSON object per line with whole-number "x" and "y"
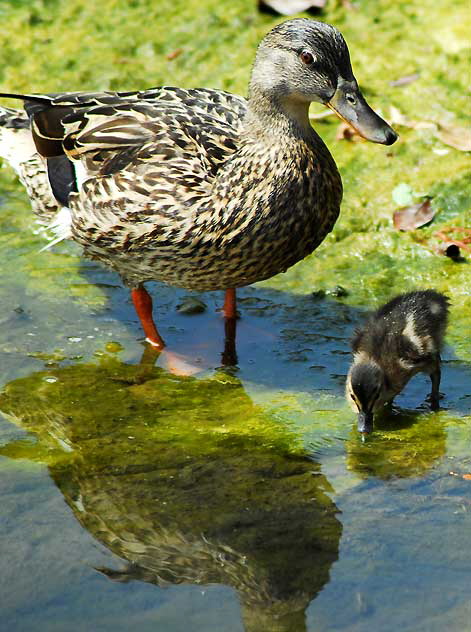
{"x": 402, "y": 338}
{"x": 198, "y": 188}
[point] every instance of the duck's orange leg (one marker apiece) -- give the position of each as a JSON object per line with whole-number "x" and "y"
{"x": 143, "y": 305}
{"x": 229, "y": 355}
{"x": 229, "y": 307}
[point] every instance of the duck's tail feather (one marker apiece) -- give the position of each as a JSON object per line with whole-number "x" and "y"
{"x": 16, "y": 141}
{"x": 39, "y": 98}
{"x": 61, "y": 226}
{"x": 41, "y": 134}
{"x": 45, "y": 120}
{"x": 19, "y": 150}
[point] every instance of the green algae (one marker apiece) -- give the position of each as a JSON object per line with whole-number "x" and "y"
{"x": 389, "y": 453}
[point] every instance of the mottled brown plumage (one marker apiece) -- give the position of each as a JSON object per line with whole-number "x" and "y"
{"x": 200, "y": 188}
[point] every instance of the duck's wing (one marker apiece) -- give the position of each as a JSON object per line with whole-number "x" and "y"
{"x": 155, "y": 126}
{"x": 87, "y": 135}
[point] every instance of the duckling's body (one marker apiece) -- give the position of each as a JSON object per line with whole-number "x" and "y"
{"x": 200, "y": 188}
{"x": 402, "y": 338}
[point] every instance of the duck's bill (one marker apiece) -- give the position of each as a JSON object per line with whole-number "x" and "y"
{"x": 365, "y": 422}
{"x": 350, "y": 105}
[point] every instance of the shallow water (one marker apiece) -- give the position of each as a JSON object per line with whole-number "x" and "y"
{"x": 238, "y": 499}
{"x": 233, "y": 500}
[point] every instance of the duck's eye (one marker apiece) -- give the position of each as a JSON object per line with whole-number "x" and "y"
{"x": 350, "y": 98}
{"x": 306, "y": 57}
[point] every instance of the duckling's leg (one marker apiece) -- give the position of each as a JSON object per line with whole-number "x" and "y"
{"x": 143, "y": 305}
{"x": 229, "y": 308}
{"x": 435, "y": 376}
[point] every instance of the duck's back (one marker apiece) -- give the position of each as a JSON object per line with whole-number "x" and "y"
{"x": 410, "y": 328}
{"x": 425, "y": 312}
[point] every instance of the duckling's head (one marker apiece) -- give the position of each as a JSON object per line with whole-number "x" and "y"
{"x": 365, "y": 390}
{"x": 300, "y": 61}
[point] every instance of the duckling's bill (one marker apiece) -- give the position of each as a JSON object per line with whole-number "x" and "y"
{"x": 350, "y": 105}
{"x": 365, "y": 422}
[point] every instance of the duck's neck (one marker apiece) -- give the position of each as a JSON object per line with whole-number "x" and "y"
{"x": 270, "y": 113}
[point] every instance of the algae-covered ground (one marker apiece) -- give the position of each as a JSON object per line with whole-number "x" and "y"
{"x": 238, "y": 499}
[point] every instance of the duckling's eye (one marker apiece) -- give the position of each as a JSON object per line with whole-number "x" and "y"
{"x": 350, "y": 98}
{"x": 306, "y": 57}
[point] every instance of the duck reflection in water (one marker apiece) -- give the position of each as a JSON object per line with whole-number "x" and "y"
{"x": 188, "y": 481}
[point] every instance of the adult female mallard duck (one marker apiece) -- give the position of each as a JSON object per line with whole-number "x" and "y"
{"x": 198, "y": 188}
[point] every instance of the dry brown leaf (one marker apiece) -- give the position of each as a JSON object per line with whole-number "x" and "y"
{"x": 403, "y": 81}
{"x": 449, "y": 242}
{"x": 457, "y": 137}
{"x": 414, "y": 216}
{"x": 290, "y": 7}
{"x": 452, "y": 135}
{"x": 457, "y": 235}
{"x": 433, "y": 127}
{"x": 174, "y": 54}
{"x": 396, "y": 117}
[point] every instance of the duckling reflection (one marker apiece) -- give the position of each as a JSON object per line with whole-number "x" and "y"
{"x": 188, "y": 481}
{"x": 406, "y": 443}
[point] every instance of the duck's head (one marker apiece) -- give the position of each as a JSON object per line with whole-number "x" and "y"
{"x": 366, "y": 391}
{"x": 300, "y": 61}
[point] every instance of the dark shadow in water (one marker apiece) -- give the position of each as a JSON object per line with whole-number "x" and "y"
{"x": 186, "y": 480}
